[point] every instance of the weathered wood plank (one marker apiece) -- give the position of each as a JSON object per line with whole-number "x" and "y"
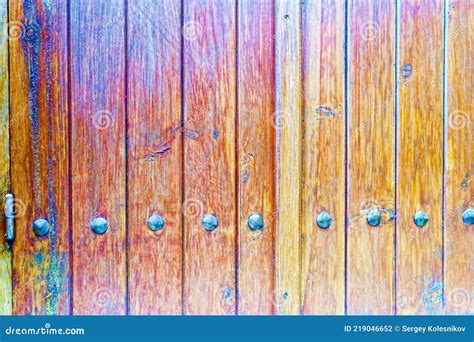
{"x": 5, "y": 255}
{"x": 98, "y": 155}
{"x": 324, "y": 157}
{"x": 371, "y": 141}
{"x": 209, "y": 34}
{"x": 459, "y": 237}
{"x": 288, "y": 156}
{"x": 39, "y": 155}
{"x": 256, "y": 156}
{"x": 420, "y": 158}
{"x": 155, "y": 152}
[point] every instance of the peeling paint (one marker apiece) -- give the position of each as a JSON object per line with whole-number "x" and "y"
{"x": 164, "y": 144}
{"x": 406, "y": 72}
{"x": 465, "y": 181}
{"x": 433, "y": 297}
{"x": 162, "y": 150}
{"x": 326, "y": 111}
{"x": 247, "y": 159}
{"x": 39, "y": 258}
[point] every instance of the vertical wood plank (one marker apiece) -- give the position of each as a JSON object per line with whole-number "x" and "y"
{"x": 5, "y": 255}
{"x": 39, "y": 155}
{"x": 98, "y": 154}
{"x": 288, "y": 150}
{"x": 459, "y": 237}
{"x": 420, "y": 158}
{"x": 371, "y": 158}
{"x": 155, "y": 152}
{"x": 256, "y": 155}
{"x": 209, "y": 33}
{"x": 324, "y": 157}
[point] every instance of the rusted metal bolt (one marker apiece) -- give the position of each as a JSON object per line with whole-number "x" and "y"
{"x": 373, "y": 217}
{"x": 99, "y": 225}
{"x": 324, "y": 220}
{"x": 40, "y": 227}
{"x": 420, "y": 218}
{"x": 209, "y": 222}
{"x": 468, "y": 216}
{"x": 255, "y": 222}
{"x": 155, "y": 222}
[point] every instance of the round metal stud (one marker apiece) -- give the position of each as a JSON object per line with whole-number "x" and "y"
{"x": 255, "y": 222}
{"x": 373, "y": 217}
{"x": 324, "y": 220}
{"x": 41, "y": 227}
{"x": 99, "y": 225}
{"x": 155, "y": 222}
{"x": 420, "y": 218}
{"x": 468, "y": 216}
{"x": 209, "y": 222}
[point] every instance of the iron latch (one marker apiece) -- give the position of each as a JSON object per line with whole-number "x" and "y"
{"x": 9, "y": 218}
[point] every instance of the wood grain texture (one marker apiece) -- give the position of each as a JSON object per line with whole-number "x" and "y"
{"x": 155, "y": 152}
{"x": 256, "y": 155}
{"x": 209, "y": 34}
{"x": 459, "y": 237}
{"x": 371, "y": 183}
{"x": 324, "y": 157}
{"x": 98, "y": 154}
{"x": 39, "y": 150}
{"x": 288, "y": 156}
{"x": 420, "y": 158}
{"x": 5, "y": 254}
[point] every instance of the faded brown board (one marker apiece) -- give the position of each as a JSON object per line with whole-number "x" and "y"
{"x": 209, "y": 33}
{"x": 154, "y": 152}
{"x": 459, "y": 237}
{"x": 39, "y": 150}
{"x": 288, "y": 156}
{"x": 256, "y": 156}
{"x": 324, "y": 157}
{"x": 5, "y": 254}
{"x": 371, "y": 158}
{"x": 98, "y": 154}
{"x": 420, "y": 158}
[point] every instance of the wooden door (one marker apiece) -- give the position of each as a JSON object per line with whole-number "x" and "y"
{"x": 236, "y": 157}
